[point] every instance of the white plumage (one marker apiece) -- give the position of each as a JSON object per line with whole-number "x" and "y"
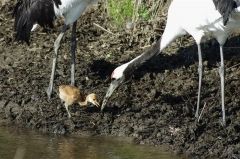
{"x": 71, "y": 10}
{"x": 198, "y": 18}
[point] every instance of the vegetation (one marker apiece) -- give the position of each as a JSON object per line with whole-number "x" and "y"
{"x": 122, "y": 11}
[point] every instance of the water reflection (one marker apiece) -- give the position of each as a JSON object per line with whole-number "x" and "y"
{"x": 29, "y": 145}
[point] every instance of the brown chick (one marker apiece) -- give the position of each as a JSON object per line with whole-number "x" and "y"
{"x": 71, "y": 95}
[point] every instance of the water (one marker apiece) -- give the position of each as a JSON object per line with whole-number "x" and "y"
{"x": 30, "y": 145}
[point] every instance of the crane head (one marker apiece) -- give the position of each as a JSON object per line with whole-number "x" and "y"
{"x": 125, "y": 71}
{"x": 117, "y": 77}
{"x": 92, "y": 98}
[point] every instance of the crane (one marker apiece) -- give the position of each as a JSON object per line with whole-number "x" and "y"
{"x": 199, "y": 18}
{"x": 70, "y": 95}
{"x": 28, "y": 13}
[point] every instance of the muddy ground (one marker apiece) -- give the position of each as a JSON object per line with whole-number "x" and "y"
{"x": 155, "y": 107}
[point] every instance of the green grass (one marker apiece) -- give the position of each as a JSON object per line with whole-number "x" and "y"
{"x": 143, "y": 13}
{"x": 120, "y": 10}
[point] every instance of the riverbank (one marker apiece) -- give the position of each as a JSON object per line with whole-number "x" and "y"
{"x": 155, "y": 107}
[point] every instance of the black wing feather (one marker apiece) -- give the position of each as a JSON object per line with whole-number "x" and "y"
{"x": 225, "y": 8}
{"x": 29, "y": 12}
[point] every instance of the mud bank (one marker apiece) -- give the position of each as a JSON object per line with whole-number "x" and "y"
{"x": 155, "y": 107}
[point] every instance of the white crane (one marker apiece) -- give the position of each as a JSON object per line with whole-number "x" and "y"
{"x": 27, "y": 13}
{"x": 199, "y": 18}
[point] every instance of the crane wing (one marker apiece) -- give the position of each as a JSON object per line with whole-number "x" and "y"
{"x": 29, "y": 12}
{"x": 225, "y": 8}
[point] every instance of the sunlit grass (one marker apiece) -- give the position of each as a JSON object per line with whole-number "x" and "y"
{"x": 122, "y": 11}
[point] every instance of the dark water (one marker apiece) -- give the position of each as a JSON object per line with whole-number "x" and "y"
{"x": 30, "y": 145}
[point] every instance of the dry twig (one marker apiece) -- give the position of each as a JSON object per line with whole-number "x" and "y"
{"x": 103, "y": 28}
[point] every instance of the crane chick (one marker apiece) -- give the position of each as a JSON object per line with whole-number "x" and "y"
{"x": 71, "y": 95}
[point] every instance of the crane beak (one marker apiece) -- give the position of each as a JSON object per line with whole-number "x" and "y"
{"x": 96, "y": 103}
{"x": 114, "y": 84}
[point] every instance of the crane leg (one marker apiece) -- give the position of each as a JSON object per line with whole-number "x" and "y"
{"x": 66, "y": 106}
{"x": 221, "y": 72}
{"x": 200, "y": 70}
{"x": 73, "y": 52}
{"x": 56, "y": 47}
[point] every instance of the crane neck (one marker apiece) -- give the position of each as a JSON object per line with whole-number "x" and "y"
{"x": 139, "y": 60}
{"x": 83, "y": 100}
{"x": 83, "y": 103}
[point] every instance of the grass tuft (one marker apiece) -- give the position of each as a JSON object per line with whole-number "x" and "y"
{"x": 122, "y": 11}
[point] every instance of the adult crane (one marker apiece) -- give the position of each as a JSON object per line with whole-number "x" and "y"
{"x": 27, "y": 13}
{"x": 199, "y": 18}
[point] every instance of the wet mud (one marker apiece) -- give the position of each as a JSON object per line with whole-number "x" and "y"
{"x": 156, "y": 106}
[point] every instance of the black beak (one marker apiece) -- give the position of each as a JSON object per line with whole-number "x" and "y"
{"x": 114, "y": 84}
